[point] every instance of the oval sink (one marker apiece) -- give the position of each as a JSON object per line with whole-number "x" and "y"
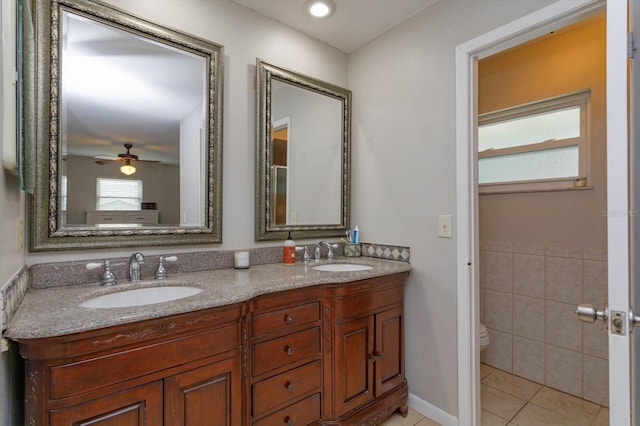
{"x": 140, "y": 297}
{"x": 342, "y": 267}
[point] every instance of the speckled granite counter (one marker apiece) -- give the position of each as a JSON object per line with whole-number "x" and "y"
{"x": 52, "y": 312}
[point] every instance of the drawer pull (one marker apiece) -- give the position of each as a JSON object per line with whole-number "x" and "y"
{"x": 290, "y": 386}
{"x": 288, "y": 319}
{"x": 288, "y": 421}
{"x": 289, "y": 350}
{"x": 373, "y": 357}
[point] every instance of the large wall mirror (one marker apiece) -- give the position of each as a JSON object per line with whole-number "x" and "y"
{"x": 303, "y": 155}
{"x": 127, "y": 118}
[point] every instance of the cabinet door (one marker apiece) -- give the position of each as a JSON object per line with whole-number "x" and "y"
{"x": 389, "y": 350}
{"x": 353, "y": 380}
{"x": 134, "y": 407}
{"x": 206, "y": 396}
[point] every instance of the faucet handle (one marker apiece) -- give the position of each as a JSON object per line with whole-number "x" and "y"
{"x": 330, "y": 252}
{"x": 108, "y": 277}
{"x": 161, "y": 272}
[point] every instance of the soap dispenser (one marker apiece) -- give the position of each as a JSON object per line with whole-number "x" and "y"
{"x": 289, "y": 251}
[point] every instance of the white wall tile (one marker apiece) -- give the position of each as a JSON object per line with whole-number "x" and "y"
{"x": 564, "y": 251}
{"x": 594, "y": 285}
{"x": 595, "y": 380}
{"x": 595, "y": 340}
{"x": 563, "y": 370}
{"x": 498, "y": 271}
{"x": 562, "y": 326}
{"x": 499, "y": 354}
{"x": 528, "y": 317}
{"x": 564, "y": 279}
{"x": 528, "y": 359}
{"x": 498, "y": 310}
{"x": 528, "y": 275}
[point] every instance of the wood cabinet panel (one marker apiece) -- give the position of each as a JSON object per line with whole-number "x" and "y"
{"x": 141, "y": 406}
{"x": 285, "y": 387}
{"x": 303, "y": 413}
{"x": 359, "y": 304}
{"x": 353, "y": 380}
{"x": 206, "y": 396}
{"x": 389, "y": 350}
{"x": 93, "y": 373}
{"x": 284, "y": 319}
{"x": 285, "y": 350}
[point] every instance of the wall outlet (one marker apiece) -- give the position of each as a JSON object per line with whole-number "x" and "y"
{"x": 444, "y": 226}
{"x": 20, "y": 235}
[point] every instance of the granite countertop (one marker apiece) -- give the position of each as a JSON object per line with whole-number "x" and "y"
{"x": 50, "y": 312}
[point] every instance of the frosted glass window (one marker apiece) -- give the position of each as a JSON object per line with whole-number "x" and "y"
{"x": 541, "y": 145}
{"x": 531, "y": 165}
{"x": 553, "y": 125}
{"x": 118, "y": 194}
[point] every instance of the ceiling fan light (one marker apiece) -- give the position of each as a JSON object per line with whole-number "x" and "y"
{"x": 320, "y": 8}
{"x": 127, "y": 169}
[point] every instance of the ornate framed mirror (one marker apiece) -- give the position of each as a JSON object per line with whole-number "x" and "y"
{"x": 125, "y": 118}
{"x": 303, "y": 154}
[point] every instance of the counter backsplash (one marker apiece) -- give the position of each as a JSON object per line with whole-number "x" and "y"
{"x": 11, "y": 295}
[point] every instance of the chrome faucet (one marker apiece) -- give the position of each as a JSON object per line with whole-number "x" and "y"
{"x": 136, "y": 260}
{"x": 319, "y": 244}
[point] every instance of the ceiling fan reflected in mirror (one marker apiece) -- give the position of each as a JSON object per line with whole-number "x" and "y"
{"x": 127, "y": 158}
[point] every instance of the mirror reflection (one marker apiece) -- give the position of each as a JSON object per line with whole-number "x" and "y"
{"x": 132, "y": 129}
{"x": 303, "y": 155}
{"x": 123, "y": 121}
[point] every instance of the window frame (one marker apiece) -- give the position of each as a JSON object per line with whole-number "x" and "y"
{"x": 580, "y": 99}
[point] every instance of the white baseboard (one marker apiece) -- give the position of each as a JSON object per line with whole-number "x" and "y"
{"x": 431, "y": 411}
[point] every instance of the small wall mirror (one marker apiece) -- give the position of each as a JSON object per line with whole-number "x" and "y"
{"x": 128, "y": 143}
{"x": 303, "y": 155}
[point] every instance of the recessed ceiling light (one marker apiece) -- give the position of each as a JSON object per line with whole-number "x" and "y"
{"x": 320, "y": 8}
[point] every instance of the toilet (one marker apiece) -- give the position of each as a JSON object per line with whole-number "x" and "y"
{"x": 484, "y": 337}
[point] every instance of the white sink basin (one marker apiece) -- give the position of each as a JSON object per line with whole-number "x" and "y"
{"x": 141, "y": 296}
{"x": 342, "y": 267}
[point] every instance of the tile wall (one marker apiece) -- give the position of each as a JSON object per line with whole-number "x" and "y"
{"x": 528, "y": 298}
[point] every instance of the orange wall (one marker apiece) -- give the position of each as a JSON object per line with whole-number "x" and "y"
{"x": 567, "y": 61}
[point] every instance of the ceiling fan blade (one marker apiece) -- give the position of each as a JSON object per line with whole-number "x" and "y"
{"x": 103, "y": 162}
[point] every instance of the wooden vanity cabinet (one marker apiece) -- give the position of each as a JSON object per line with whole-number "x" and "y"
{"x": 180, "y": 370}
{"x": 321, "y": 355}
{"x": 368, "y": 358}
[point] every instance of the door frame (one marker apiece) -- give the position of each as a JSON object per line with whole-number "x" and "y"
{"x": 549, "y": 18}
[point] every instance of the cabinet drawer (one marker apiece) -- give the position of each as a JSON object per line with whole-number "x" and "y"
{"x": 93, "y": 373}
{"x": 368, "y": 302}
{"x": 285, "y": 387}
{"x": 284, "y": 350}
{"x": 283, "y": 319}
{"x": 303, "y": 413}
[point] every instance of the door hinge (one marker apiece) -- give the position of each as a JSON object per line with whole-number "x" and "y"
{"x": 631, "y": 45}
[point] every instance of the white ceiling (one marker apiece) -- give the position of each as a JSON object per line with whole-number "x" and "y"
{"x": 354, "y": 23}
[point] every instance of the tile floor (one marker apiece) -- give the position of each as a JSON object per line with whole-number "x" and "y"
{"x": 509, "y": 400}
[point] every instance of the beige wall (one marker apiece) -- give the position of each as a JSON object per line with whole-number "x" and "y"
{"x": 564, "y": 62}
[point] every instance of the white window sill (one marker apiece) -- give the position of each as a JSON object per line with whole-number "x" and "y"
{"x": 498, "y": 191}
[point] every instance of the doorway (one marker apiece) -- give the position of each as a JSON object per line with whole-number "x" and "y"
{"x": 542, "y": 231}
{"x": 550, "y": 18}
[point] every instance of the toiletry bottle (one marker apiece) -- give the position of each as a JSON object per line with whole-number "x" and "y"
{"x": 289, "y": 251}
{"x": 356, "y": 235}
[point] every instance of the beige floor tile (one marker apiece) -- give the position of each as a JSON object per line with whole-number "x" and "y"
{"x": 428, "y": 422}
{"x": 500, "y": 403}
{"x": 566, "y": 405}
{"x": 412, "y": 419}
{"x": 485, "y": 370}
{"x": 489, "y": 419}
{"x": 602, "y": 419}
{"x": 513, "y": 385}
{"x": 533, "y": 415}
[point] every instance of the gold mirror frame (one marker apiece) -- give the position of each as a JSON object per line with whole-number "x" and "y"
{"x": 42, "y": 137}
{"x": 265, "y": 230}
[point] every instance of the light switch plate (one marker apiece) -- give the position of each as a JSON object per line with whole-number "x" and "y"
{"x": 444, "y": 226}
